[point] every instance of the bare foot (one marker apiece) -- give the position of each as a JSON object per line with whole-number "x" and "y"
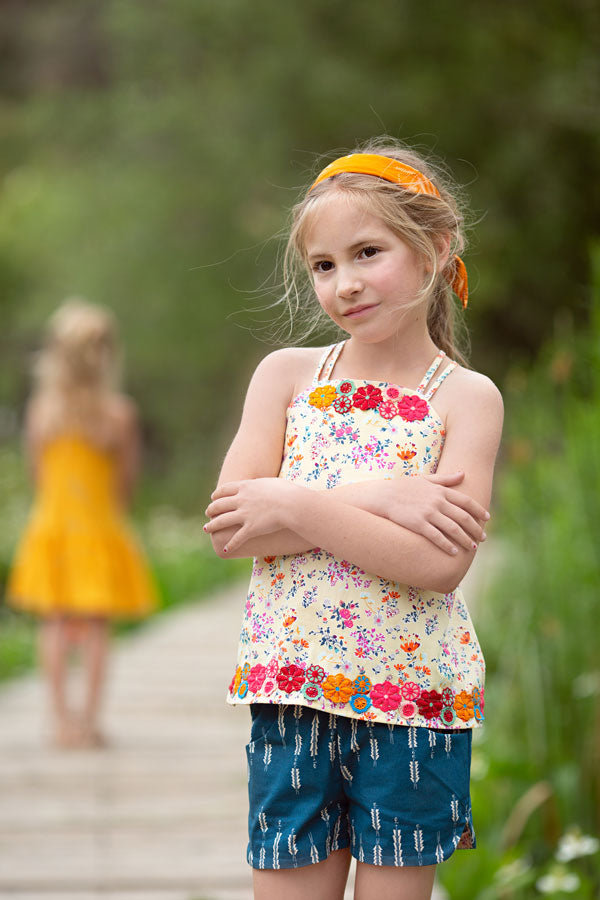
{"x": 67, "y": 735}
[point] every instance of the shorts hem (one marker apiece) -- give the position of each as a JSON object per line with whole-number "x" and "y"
{"x": 298, "y": 863}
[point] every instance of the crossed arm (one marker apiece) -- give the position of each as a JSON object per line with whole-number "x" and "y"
{"x": 418, "y": 530}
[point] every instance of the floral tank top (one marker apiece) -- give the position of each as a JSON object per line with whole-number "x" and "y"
{"x": 320, "y": 632}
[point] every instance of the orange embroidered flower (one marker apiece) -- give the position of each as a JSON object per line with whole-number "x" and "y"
{"x": 322, "y": 396}
{"x": 236, "y": 681}
{"x": 463, "y": 704}
{"x": 269, "y": 559}
{"x": 338, "y": 688}
{"x": 406, "y": 452}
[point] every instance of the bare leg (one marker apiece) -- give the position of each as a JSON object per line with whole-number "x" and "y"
{"x": 94, "y": 650}
{"x": 391, "y": 883}
{"x": 323, "y": 881}
{"x": 53, "y": 648}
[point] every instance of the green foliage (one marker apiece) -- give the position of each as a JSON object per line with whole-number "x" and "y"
{"x": 538, "y": 626}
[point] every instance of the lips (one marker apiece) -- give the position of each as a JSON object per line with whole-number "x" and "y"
{"x": 358, "y": 309}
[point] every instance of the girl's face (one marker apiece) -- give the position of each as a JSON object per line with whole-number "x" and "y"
{"x": 364, "y": 275}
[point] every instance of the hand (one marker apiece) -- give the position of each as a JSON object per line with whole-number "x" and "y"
{"x": 256, "y": 506}
{"x": 428, "y": 505}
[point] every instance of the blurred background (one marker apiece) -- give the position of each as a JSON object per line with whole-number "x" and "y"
{"x": 150, "y": 154}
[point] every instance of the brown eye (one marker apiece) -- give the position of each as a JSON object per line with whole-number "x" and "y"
{"x": 369, "y": 252}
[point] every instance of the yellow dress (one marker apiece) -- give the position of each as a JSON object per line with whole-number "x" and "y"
{"x": 77, "y": 554}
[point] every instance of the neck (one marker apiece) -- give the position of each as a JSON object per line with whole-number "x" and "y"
{"x": 400, "y": 358}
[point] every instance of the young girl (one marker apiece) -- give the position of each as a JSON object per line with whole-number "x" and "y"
{"x": 77, "y": 565}
{"x": 357, "y": 652}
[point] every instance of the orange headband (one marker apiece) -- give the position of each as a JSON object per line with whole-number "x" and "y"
{"x": 410, "y": 179}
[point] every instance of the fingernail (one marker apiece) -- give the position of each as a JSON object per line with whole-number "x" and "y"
{"x": 454, "y": 551}
{"x": 487, "y": 515}
{"x": 474, "y": 546}
{"x": 204, "y": 527}
{"x": 483, "y": 536}
{"x": 224, "y": 549}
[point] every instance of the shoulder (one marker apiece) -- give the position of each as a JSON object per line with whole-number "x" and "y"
{"x": 470, "y": 395}
{"x": 289, "y": 370}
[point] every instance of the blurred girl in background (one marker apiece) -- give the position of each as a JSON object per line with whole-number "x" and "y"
{"x": 78, "y": 565}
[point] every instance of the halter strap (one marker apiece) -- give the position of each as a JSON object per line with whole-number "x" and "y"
{"x": 323, "y": 370}
{"x": 430, "y": 372}
{"x": 449, "y": 368}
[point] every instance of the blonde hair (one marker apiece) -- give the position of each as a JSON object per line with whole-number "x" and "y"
{"x": 422, "y": 221}
{"x": 76, "y": 371}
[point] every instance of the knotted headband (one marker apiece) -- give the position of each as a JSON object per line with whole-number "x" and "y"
{"x": 412, "y": 180}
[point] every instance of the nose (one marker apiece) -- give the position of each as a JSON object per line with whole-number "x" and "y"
{"x": 348, "y": 282}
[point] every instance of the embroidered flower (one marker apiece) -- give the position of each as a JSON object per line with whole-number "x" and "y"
{"x": 448, "y": 716}
{"x": 386, "y": 696}
{"x": 337, "y": 688}
{"x": 272, "y": 668}
{"x": 346, "y": 387}
{"x": 413, "y": 408}
{"x": 315, "y": 674}
{"x": 235, "y": 681}
{"x": 290, "y": 678}
{"x": 322, "y": 396}
{"x": 312, "y": 691}
{"x": 430, "y": 704}
{"x": 360, "y": 703}
{"x": 388, "y": 409}
{"x": 368, "y": 397}
{"x": 243, "y": 689}
{"x": 256, "y": 677}
{"x": 410, "y": 690}
{"x": 478, "y": 697}
{"x": 447, "y": 696}
{"x": 245, "y": 670}
{"x": 392, "y": 393}
{"x": 268, "y": 686}
{"x": 463, "y": 704}
{"x": 408, "y": 709}
{"x": 478, "y": 713}
{"x": 362, "y": 685}
{"x": 342, "y": 404}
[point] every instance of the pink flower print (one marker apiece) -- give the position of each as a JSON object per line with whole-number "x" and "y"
{"x": 408, "y": 709}
{"x": 346, "y": 617}
{"x": 342, "y": 404}
{"x": 346, "y": 387}
{"x": 386, "y": 696}
{"x": 411, "y": 690}
{"x": 392, "y": 393}
{"x": 368, "y": 397}
{"x": 388, "y": 409}
{"x": 256, "y": 677}
{"x": 272, "y": 668}
{"x": 268, "y": 686}
{"x": 413, "y": 408}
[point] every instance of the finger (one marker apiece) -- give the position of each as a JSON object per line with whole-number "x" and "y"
{"x": 227, "y": 520}
{"x": 447, "y": 480}
{"x": 453, "y": 531}
{"x": 236, "y": 540}
{"x": 226, "y": 504}
{"x": 466, "y": 521}
{"x": 439, "y": 539}
{"x": 474, "y": 508}
{"x": 225, "y": 490}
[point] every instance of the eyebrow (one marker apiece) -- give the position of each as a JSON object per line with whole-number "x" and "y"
{"x": 363, "y": 242}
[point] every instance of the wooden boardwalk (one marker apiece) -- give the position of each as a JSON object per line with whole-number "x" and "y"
{"x": 160, "y": 814}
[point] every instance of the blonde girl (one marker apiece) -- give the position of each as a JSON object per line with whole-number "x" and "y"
{"x": 77, "y": 565}
{"x": 359, "y": 480}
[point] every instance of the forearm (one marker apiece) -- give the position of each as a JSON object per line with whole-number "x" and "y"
{"x": 285, "y": 541}
{"x": 391, "y": 551}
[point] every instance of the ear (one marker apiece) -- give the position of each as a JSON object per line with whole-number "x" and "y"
{"x": 443, "y": 249}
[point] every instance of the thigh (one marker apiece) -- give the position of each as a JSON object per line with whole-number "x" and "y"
{"x": 298, "y": 810}
{"x": 409, "y": 799}
{"x": 323, "y": 881}
{"x": 388, "y": 883}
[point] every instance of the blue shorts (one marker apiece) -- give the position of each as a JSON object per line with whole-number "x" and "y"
{"x": 397, "y": 796}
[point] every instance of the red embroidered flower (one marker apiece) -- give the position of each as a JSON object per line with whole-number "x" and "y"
{"x": 448, "y": 716}
{"x": 448, "y": 696}
{"x": 386, "y": 696}
{"x": 413, "y": 408}
{"x": 342, "y": 404}
{"x": 388, "y": 409}
{"x": 346, "y": 387}
{"x": 315, "y": 674}
{"x": 312, "y": 691}
{"x": 290, "y": 678}
{"x": 272, "y": 668}
{"x": 430, "y": 704}
{"x": 368, "y": 397}
{"x": 408, "y": 709}
{"x": 256, "y": 677}
{"x": 392, "y": 393}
